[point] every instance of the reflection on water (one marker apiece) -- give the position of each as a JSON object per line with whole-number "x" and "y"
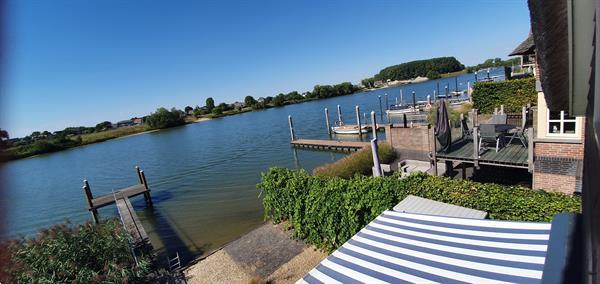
{"x": 203, "y": 176}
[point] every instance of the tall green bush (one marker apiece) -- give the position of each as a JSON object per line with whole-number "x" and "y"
{"x": 74, "y": 254}
{"x": 327, "y": 211}
{"x": 164, "y": 118}
{"x": 513, "y": 94}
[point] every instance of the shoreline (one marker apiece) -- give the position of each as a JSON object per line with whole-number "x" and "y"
{"x": 143, "y": 131}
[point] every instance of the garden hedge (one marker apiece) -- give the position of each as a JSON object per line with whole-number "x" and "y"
{"x": 513, "y": 94}
{"x": 327, "y": 211}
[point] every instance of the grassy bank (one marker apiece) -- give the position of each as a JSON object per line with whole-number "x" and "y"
{"x": 454, "y": 74}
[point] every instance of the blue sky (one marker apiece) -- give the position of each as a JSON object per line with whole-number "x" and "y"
{"x": 74, "y": 63}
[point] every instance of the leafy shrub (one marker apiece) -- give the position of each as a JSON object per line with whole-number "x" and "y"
{"x": 327, "y": 211}
{"x": 413, "y": 69}
{"x": 513, "y": 94}
{"x": 86, "y": 254}
{"x": 360, "y": 162}
{"x": 164, "y": 118}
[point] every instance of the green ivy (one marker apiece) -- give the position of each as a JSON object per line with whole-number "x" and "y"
{"x": 513, "y": 94}
{"x": 327, "y": 211}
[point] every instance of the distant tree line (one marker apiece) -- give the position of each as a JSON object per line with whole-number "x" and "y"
{"x": 431, "y": 68}
{"x": 494, "y": 62}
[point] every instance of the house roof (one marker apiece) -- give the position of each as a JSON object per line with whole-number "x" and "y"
{"x": 549, "y": 26}
{"x": 526, "y": 47}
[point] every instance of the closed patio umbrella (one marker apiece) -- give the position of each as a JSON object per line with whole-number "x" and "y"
{"x": 442, "y": 128}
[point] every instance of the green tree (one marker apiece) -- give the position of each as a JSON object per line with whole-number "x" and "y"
{"x": 102, "y": 126}
{"x": 210, "y": 104}
{"x": 3, "y": 138}
{"x": 433, "y": 75}
{"x": 279, "y": 100}
{"x": 164, "y": 118}
{"x": 249, "y": 101}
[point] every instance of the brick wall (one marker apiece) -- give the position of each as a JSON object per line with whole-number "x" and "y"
{"x": 558, "y": 166}
{"x": 410, "y": 143}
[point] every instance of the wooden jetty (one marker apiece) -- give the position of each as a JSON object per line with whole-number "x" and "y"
{"x": 120, "y": 197}
{"x": 330, "y": 144}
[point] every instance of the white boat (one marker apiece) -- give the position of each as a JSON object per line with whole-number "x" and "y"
{"x": 402, "y": 110}
{"x": 350, "y": 129}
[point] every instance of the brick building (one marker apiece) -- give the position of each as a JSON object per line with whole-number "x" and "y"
{"x": 558, "y": 141}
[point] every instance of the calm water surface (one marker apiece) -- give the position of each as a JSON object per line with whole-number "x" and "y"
{"x": 203, "y": 176}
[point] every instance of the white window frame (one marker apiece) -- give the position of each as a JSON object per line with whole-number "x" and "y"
{"x": 562, "y": 121}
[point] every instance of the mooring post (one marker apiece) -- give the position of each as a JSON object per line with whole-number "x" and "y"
{"x": 365, "y": 118}
{"x": 428, "y": 99}
{"x": 374, "y": 124}
{"x": 137, "y": 169}
{"x": 414, "y": 100}
{"x": 380, "y": 109}
{"x": 475, "y": 76}
{"x": 456, "y": 83}
{"x": 376, "y": 164}
{"x": 523, "y": 117}
{"x": 387, "y": 106}
{"x": 339, "y": 110}
{"x": 476, "y": 147}
{"x": 291, "y": 127}
{"x": 358, "y": 121}
{"x": 475, "y": 118}
{"x": 89, "y": 197}
{"x": 462, "y": 118}
{"x": 501, "y": 109}
{"x": 396, "y": 102}
{"x": 446, "y": 91}
{"x": 433, "y": 149}
{"x": 530, "y": 153}
{"x": 488, "y": 74}
{"x": 495, "y": 110}
{"x": 147, "y": 193}
{"x": 434, "y": 96}
{"x": 327, "y": 121}
{"x": 404, "y": 119}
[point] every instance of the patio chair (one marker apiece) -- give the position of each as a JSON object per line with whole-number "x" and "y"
{"x": 406, "y": 247}
{"x": 488, "y": 134}
{"x": 466, "y": 132}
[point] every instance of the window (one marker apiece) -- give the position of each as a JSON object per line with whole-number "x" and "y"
{"x": 560, "y": 123}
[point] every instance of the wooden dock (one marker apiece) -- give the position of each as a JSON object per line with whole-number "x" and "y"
{"x": 120, "y": 197}
{"x": 346, "y": 146}
{"x": 131, "y": 222}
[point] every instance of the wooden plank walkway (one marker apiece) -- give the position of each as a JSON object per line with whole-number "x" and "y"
{"x": 131, "y": 222}
{"x": 330, "y": 144}
{"x": 514, "y": 155}
{"x": 108, "y": 199}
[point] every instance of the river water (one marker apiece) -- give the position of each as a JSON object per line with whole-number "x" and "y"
{"x": 203, "y": 175}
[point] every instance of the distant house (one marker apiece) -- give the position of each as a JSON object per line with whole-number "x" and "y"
{"x": 238, "y": 105}
{"x": 261, "y": 100}
{"x": 124, "y": 123}
{"x": 137, "y": 120}
{"x": 525, "y": 50}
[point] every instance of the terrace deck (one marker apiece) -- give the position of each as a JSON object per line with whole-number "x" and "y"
{"x": 513, "y": 155}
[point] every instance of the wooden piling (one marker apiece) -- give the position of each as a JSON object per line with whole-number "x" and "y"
{"x": 414, "y": 97}
{"x": 475, "y": 118}
{"x": 380, "y": 109}
{"x": 404, "y": 119}
{"x": 433, "y": 150}
{"x": 374, "y": 124}
{"x": 376, "y": 164}
{"x": 495, "y": 110}
{"x": 523, "y": 117}
{"x": 292, "y": 127}
{"x": 462, "y": 117}
{"x": 339, "y": 111}
{"x": 501, "y": 109}
{"x": 428, "y": 99}
{"x": 89, "y": 197}
{"x": 530, "y": 158}
{"x": 387, "y": 106}
{"x": 358, "y": 121}
{"x": 147, "y": 193}
{"x": 327, "y": 121}
{"x": 476, "y": 146}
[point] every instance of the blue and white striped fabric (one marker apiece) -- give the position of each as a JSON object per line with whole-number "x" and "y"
{"x": 402, "y": 247}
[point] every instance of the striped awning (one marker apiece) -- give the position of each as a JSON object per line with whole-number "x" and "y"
{"x": 402, "y": 247}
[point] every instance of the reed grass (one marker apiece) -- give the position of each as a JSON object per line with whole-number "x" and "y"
{"x": 360, "y": 162}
